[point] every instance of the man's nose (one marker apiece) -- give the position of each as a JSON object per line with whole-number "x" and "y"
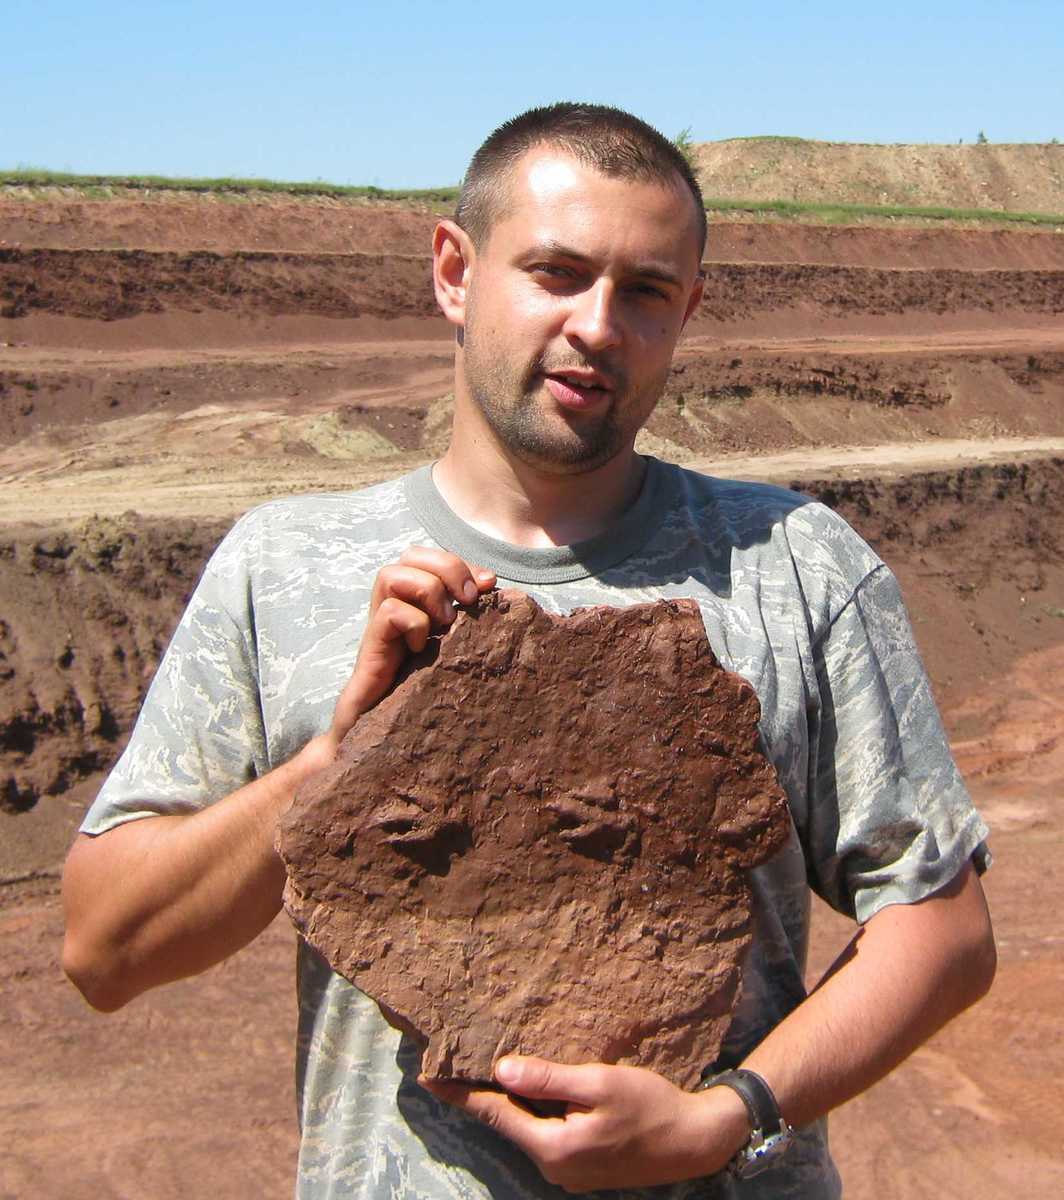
{"x": 593, "y": 320}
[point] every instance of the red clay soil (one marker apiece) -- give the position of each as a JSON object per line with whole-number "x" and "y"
{"x": 718, "y": 398}
{"x": 107, "y": 285}
{"x": 188, "y": 1091}
{"x": 898, "y": 247}
{"x": 340, "y": 227}
{"x": 87, "y": 612}
{"x": 323, "y": 226}
{"x": 852, "y": 353}
{"x": 216, "y": 222}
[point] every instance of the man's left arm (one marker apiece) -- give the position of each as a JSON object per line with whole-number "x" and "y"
{"x": 908, "y": 970}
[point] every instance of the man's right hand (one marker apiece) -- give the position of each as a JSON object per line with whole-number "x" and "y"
{"x": 411, "y": 599}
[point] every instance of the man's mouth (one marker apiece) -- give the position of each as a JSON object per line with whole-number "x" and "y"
{"x": 578, "y": 389}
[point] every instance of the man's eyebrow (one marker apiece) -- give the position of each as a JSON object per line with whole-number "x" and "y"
{"x": 662, "y": 274}
{"x": 549, "y": 248}
{"x": 649, "y": 270}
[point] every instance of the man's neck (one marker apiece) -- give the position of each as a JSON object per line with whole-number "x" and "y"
{"x": 522, "y": 506}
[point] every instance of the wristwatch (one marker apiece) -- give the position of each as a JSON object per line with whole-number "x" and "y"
{"x": 770, "y": 1136}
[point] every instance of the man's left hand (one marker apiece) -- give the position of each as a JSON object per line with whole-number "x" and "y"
{"x": 623, "y": 1127}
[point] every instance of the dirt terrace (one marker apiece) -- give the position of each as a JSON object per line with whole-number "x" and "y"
{"x": 107, "y": 285}
{"x": 1023, "y": 177}
{"x": 166, "y": 364}
{"x": 56, "y": 220}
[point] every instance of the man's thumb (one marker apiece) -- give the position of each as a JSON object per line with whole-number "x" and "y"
{"x": 539, "y": 1079}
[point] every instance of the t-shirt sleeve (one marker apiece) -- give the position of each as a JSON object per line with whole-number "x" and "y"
{"x": 890, "y": 820}
{"x": 200, "y": 732}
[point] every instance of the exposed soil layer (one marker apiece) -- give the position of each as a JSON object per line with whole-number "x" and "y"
{"x": 49, "y": 391}
{"x": 716, "y": 399}
{"x": 87, "y": 612}
{"x": 899, "y": 247}
{"x": 980, "y": 555}
{"x": 108, "y": 285}
{"x": 750, "y": 400}
{"x": 327, "y": 226}
{"x": 735, "y": 290}
{"x": 318, "y": 225}
{"x": 86, "y": 616}
{"x": 884, "y": 370}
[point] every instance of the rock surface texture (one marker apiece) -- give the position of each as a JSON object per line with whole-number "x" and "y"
{"x": 537, "y": 843}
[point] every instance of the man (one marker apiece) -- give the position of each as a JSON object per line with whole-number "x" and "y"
{"x": 569, "y": 273}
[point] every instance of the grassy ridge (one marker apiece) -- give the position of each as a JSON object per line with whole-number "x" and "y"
{"x": 101, "y": 185}
{"x": 37, "y": 177}
{"x": 832, "y": 213}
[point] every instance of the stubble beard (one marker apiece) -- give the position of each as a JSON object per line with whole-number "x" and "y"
{"x": 511, "y": 402}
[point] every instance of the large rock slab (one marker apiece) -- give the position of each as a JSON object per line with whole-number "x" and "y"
{"x": 537, "y": 842}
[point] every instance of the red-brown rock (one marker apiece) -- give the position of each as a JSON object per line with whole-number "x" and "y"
{"x": 537, "y": 842}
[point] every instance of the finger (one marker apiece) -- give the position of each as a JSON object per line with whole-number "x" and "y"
{"x": 464, "y": 581}
{"x": 422, "y": 589}
{"x": 498, "y": 1111}
{"x": 540, "y": 1079}
{"x": 396, "y": 621}
{"x": 393, "y": 629}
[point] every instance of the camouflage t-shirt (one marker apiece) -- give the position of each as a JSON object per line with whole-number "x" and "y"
{"x": 792, "y": 599}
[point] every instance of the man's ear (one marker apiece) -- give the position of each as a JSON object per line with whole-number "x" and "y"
{"x": 452, "y": 269}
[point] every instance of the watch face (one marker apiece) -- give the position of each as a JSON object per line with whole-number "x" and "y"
{"x": 752, "y": 1160}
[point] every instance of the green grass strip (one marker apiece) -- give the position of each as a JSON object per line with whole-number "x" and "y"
{"x": 39, "y": 177}
{"x": 835, "y": 211}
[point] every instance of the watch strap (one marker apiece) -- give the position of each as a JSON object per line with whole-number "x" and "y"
{"x": 770, "y": 1135}
{"x": 765, "y": 1116}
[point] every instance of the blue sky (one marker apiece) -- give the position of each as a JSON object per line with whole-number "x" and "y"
{"x": 399, "y": 94}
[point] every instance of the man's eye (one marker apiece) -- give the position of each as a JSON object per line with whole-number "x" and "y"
{"x": 553, "y": 270}
{"x": 651, "y": 291}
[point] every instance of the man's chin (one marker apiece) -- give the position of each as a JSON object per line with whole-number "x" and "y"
{"x": 553, "y": 442}
{"x": 566, "y": 459}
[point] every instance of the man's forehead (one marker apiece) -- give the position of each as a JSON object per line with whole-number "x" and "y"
{"x": 547, "y": 175}
{"x": 550, "y": 183}
{"x": 551, "y": 174}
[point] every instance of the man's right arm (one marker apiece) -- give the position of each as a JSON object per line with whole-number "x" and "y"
{"x": 163, "y": 897}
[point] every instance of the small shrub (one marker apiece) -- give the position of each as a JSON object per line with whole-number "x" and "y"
{"x": 684, "y": 143}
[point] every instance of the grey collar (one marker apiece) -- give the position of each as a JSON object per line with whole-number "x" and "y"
{"x": 551, "y": 564}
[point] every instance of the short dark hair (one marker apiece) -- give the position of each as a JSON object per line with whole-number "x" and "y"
{"x": 608, "y": 139}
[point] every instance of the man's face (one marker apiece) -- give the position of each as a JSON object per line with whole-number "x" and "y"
{"x": 574, "y": 304}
